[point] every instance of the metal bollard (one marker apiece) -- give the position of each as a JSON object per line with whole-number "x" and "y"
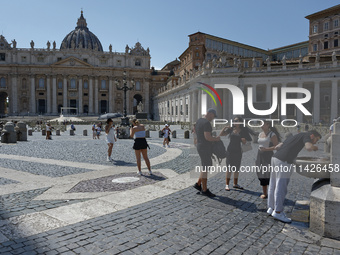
{"x": 187, "y": 134}
{"x": 85, "y": 132}
{"x": 30, "y": 132}
{"x": 43, "y": 132}
{"x": 71, "y": 132}
{"x": 160, "y": 134}
{"x": 57, "y": 132}
{"x": 147, "y": 133}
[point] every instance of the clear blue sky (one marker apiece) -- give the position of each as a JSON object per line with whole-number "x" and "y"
{"x": 163, "y": 26}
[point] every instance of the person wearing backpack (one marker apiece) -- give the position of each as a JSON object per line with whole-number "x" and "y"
{"x": 268, "y": 139}
{"x": 203, "y": 130}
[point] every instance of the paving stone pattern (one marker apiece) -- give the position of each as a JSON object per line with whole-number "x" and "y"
{"x": 85, "y": 150}
{"x": 105, "y": 183}
{"x": 4, "y": 181}
{"x": 41, "y": 168}
{"x": 234, "y": 222}
{"x": 16, "y": 204}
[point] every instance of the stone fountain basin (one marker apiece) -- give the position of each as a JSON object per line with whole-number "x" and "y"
{"x": 313, "y": 167}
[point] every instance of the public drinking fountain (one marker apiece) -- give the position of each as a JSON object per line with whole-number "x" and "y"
{"x": 325, "y": 197}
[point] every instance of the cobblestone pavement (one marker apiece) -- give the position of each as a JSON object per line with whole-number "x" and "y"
{"x": 176, "y": 222}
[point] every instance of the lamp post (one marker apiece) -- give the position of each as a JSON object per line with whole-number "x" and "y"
{"x": 125, "y": 88}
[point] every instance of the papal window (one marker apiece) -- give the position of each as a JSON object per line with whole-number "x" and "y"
{"x": 315, "y": 29}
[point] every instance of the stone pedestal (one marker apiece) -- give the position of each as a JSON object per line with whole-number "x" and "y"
{"x": 325, "y": 196}
{"x": 21, "y": 130}
{"x": 174, "y": 134}
{"x": 8, "y": 134}
{"x": 325, "y": 209}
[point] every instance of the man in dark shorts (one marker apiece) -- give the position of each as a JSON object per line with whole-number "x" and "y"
{"x": 282, "y": 164}
{"x": 203, "y": 130}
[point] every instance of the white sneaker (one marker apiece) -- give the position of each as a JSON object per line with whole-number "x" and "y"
{"x": 150, "y": 172}
{"x": 270, "y": 211}
{"x": 281, "y": 217}
{"x": 139, "y": 172}
{"x": 168, "y": 146}
{"x": 111, "y": 159}
{"x": 108, "y": 159}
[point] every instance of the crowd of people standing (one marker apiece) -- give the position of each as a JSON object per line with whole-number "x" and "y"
{"x": 272, "y": 154}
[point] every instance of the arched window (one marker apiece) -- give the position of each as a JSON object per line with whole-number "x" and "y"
{"x": 86, "y": 85}
{"x": 60, "y": 84}
{"x": 73, "y": 84}
{"x": 103, "y": 85}
{"x": 24, "y": 83}
{"x": 138, "y": 87}
{"x": 3, "y": 82}
{"x": 41, "y": 83}
{"x": 137, "y": 62}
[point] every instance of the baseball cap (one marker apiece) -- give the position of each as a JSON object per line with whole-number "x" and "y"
{"x": 212, "y": 111}
{"x": 166, "y": 125}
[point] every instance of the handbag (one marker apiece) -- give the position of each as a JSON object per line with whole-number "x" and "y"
{"x": 246, "y": 146}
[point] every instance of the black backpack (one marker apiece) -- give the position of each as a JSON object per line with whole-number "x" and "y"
{"x": 218, "y": 149}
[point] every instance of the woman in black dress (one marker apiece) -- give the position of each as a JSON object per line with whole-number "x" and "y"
{"x": 238, "y": 134}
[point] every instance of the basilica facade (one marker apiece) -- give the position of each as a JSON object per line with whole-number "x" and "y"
{"x": 79, "y": 74}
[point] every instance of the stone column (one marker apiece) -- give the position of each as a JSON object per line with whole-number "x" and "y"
{"x": 334, "y": 100}
{"x": 183, "y": 108}
{"x": 254, "y": 93}
{"x": 199, "y": 105}
{"x": 225, "y": 114}
{"x": 54, "y": 95}
{"x": 269, "y": 93}
{"x": 48, "y": 94}
{"x": 194, "y": 106}
{"x": 111, "y": 96}
{"x": 80, "y": 96}
{"x": 14, "y": 100}
{"x": 299, "y": 115}
{"x": 96, "y": 99}
{"x": 219, "y": 107}
{"x": 65, "y": 92}
{"x": 32, "y": 99}
{"x": 190, "y": 110}
{"x": 146, "y": 97}
{"x": 90, "y": 95}
{"x": 316, "y": 105}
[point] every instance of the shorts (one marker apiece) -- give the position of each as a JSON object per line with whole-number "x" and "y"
{"x": 140, "y": 144}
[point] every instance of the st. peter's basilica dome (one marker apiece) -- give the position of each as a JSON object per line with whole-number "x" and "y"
{"x": 81, "y": 38}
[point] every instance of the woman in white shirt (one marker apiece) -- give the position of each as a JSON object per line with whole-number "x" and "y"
{"x": 268, "y": 139}
{"x": 110, "y": 137}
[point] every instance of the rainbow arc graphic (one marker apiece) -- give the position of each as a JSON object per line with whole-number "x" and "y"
{"x": 209, "y": 93}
